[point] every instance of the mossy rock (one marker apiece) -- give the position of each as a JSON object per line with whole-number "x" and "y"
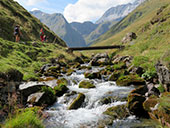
{"x": 162, "y": 112}
{"x": 150, "y": 103}
{"x": 117, "y": 112}
{"x": 130, "y": 79}
{"x": 135, "y": 105}
{"x": 69, "y": 72}
{"x": 92, "y": 75}
{"x": 60, "y": 89}
{"x": 77, "y": 102}
{"x": 118, "y": 66}
{"x": 116, "y": 74}
{"x": 62, "y": 81}
{"x": 111, "y": 99}
{"x": 54, "y": 68}
{"x": 76, "y": 65}
{"x": 86, "y": 84}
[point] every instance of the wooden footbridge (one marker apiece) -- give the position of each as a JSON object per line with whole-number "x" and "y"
{"x": 96, "y": 48}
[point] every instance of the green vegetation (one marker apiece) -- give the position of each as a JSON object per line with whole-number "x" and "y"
{"x": 25, "y": 119}
{"x": 11, "y": 14}
{"x": 29, "y": 57}
{"x": 150, "y": 21}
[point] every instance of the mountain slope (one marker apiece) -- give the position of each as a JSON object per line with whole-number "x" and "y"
{"x": 11, "y": 14}
{"x": 153, "y": 33}
{"x": 84, "y": 28}
{"x": 119, "y": 12}
{"x": 58, "y": 24}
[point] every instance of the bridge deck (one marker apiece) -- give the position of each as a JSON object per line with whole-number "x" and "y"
{"x": 96, "y": 47}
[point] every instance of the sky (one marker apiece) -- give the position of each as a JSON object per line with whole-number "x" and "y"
{"x": 73, "y": 10}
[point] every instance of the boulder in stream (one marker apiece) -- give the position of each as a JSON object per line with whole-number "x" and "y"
{"x": 77, "y": 102}
{"x": 129, "y": 80}
{"x": 93, "y": 75}
{"x": 86, "y": 84}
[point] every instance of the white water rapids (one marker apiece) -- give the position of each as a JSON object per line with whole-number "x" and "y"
{"x": 91, "y": 112}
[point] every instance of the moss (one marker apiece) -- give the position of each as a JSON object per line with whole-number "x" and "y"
{"x": 116, "y": 74}
{"x": 60, "y": 89}
{"x": 77, "y": 102}
{"x": 130, "y": 79}
{"x": 70, "y": 71}
{"x": 117, "y": 112}
{"x": 62, "y": 81}
{"x": 86, "y": 84}
{"x": 120, "y": 65}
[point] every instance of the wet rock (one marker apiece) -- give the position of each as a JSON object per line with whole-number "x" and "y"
{"x": 135, "y": 102}
{"x": 77, "y": 103}
{"x": 60, "y": 89}
{"x": 100, "y": 59}
{"x": 79, "y": 60}
{"x": 69, "y": 72}
{"x": 45, "y": 67}
{"x": 62, "y": 81}
{"x": 117, "y": 112}
{"x": 129, "y": 37}
{"x": 31, "y": 87}
{"x": 41, "y": 98}
{"x": 129, "y": 80}
{"x": 92, "y": 75}
{"x": 86, "y": 84}
{"x": 112, "y": 99}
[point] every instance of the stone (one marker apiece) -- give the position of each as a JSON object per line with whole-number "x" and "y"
{"x": 129, "y": 37}
{"x": 93, "y": 75}
{"x": 117, "y": 112}
{"x": 152, "y": 90}
{"x": 100, "y": 59}
{"x": 79, "y": 60}
{"x": 41, "y": 98}
{"x": 77, "y": 103}
{"x": 130, "y": 80}
{"x": 116, "y": 74}
{"x": 86, "y": 84}
{"x": 31, "y": 87}
{"x": 135, "y": 102}
{"x": 163, "y": 75}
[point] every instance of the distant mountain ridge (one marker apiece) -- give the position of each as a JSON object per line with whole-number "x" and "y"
{"x": 119, "y": 12}
{"x": 82, "y": 34}
{"x": 58, "y": 24}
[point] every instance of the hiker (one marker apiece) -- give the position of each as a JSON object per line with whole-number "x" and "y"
{"x": 17, "y": 33}
{"x": 44, "y": 38}
{"x": 42, "y": 35}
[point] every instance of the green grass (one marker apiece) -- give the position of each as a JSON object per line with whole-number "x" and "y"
{"x": 152, "y": 39}
{"x": 27, "y": 119}
{"x": 27, "y": 58}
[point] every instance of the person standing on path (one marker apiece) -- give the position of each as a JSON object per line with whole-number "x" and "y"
{"x": 17, "y": 33}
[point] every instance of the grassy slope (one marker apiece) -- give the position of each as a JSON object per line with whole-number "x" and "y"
{"x": 27, "y": 58}
{"x": 153, "y": 40}
{"x": 11, "y": 14}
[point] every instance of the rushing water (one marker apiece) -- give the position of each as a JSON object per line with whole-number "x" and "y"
{"x": 91, "y": 112}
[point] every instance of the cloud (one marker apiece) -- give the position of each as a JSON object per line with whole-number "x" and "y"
{"x": 34, "y": 9}
{"x": 90, "y": 10}
{"x": 33, "y": 2}
{"x": 30, "y": 2}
